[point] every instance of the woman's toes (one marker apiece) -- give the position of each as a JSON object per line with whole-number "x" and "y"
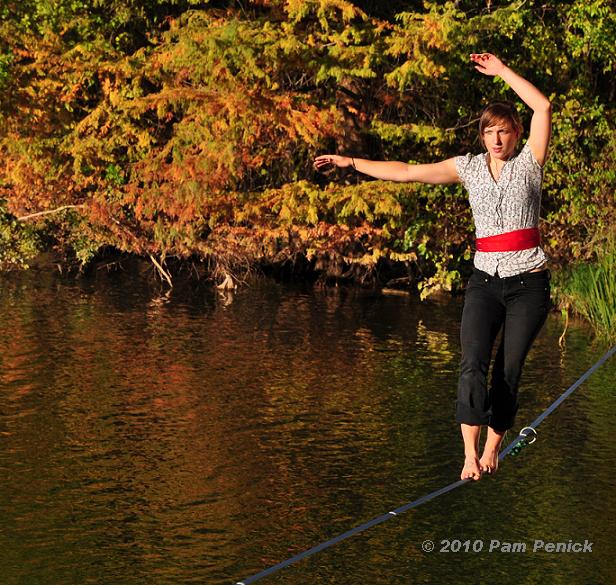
{"x": 489, "y": 463}
{"x": 471, "y": 469}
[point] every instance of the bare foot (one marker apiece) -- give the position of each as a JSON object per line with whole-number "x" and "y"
{"x": 471, "y": 469}
{"x": 489, "y": 461}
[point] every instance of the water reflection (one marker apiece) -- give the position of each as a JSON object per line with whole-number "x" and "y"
{"x": 184, "y": 437}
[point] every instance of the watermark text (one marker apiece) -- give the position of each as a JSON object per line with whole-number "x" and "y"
{"x": 480, "y": 545}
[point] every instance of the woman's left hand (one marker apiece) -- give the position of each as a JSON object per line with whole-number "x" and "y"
{"x": 487, "y": 63}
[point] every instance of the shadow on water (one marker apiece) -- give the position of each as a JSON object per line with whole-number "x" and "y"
{"x": 194, "y": 437}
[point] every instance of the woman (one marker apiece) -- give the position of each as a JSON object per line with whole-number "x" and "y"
{"x": 509, "y": 288}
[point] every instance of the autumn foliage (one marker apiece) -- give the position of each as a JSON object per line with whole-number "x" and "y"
{"x": 184, "y": 129}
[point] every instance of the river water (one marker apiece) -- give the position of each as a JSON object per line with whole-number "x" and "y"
{"x": 195, "y": 437}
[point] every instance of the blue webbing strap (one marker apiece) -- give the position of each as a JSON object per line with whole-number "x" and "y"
{"x": 430, "y": 496}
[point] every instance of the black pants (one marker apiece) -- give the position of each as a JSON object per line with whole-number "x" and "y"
{"x": 519, "y": 306}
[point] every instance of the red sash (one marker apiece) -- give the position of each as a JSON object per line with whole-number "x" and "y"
{"x": 510, "y": 241}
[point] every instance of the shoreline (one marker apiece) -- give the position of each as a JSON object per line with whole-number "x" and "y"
{"x": 568, "y": 295}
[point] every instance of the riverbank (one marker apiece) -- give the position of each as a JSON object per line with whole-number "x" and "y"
{"x": 585, "y": 290}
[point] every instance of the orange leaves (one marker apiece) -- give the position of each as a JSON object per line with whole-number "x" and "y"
{"x": 300, "y": 219}
{"x": 200, "y": 141}
{"x": 434, "y": 35}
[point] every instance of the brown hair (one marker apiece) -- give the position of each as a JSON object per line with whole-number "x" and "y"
{"x": 500, "y": 113}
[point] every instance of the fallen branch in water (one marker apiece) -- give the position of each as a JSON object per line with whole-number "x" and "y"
{"x": 227, "y": 283}
{"x": 161, "y": 271}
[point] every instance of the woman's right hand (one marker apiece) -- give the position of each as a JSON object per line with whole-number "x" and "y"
{"x": 325, "y": 161}
{"x": 487, "y": 63}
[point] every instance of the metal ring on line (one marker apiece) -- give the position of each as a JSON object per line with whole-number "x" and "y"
{"x": 532, "y": 431}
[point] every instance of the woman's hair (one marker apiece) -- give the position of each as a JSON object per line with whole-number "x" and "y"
{"x": 500, "y": 113}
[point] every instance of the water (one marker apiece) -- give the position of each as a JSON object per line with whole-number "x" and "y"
{"x": 200, "y": 438}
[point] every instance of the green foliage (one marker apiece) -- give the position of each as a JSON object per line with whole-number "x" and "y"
{"x": 590, "y": 289}
{"x": 187, "y": 128}
{"x": 19, "y": 243}
{"x": 591, "y": 32}
{"x": 5, "y": 66}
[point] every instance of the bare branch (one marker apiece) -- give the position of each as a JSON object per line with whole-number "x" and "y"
{"x": 161, "y": 271}
{"x": 49, "y": 211}
{"x": 454, "y": 128}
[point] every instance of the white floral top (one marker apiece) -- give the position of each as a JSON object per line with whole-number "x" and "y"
{"x": 511, "y": 203}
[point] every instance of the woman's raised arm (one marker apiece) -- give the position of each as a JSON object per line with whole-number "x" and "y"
{"x": 433, "y": 173}
{"x": 541, "y": 122}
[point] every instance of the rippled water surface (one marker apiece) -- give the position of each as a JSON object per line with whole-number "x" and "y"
{"x": 200, "y": 438}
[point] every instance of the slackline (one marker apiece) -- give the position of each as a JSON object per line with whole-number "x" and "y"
{"x": 519, "y": 440}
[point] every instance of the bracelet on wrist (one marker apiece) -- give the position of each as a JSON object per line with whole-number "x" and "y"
{"x": 353, "y": 163}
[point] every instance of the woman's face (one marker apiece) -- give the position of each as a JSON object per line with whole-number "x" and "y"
{"x": 500, "y": 140}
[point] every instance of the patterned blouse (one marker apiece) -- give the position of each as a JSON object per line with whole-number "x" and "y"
{"x": 509, "y": 204}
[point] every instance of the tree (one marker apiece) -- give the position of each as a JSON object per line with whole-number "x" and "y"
{"x": 179, "y": 129}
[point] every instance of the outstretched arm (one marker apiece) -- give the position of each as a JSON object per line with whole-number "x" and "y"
{"x": 435, "y": 173}
{"x": 541, "y": 122}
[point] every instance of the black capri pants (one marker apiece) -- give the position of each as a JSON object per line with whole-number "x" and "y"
{"x": 519, "y": 306}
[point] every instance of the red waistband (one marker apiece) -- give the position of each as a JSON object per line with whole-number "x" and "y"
{"x": 510, "y": 241}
